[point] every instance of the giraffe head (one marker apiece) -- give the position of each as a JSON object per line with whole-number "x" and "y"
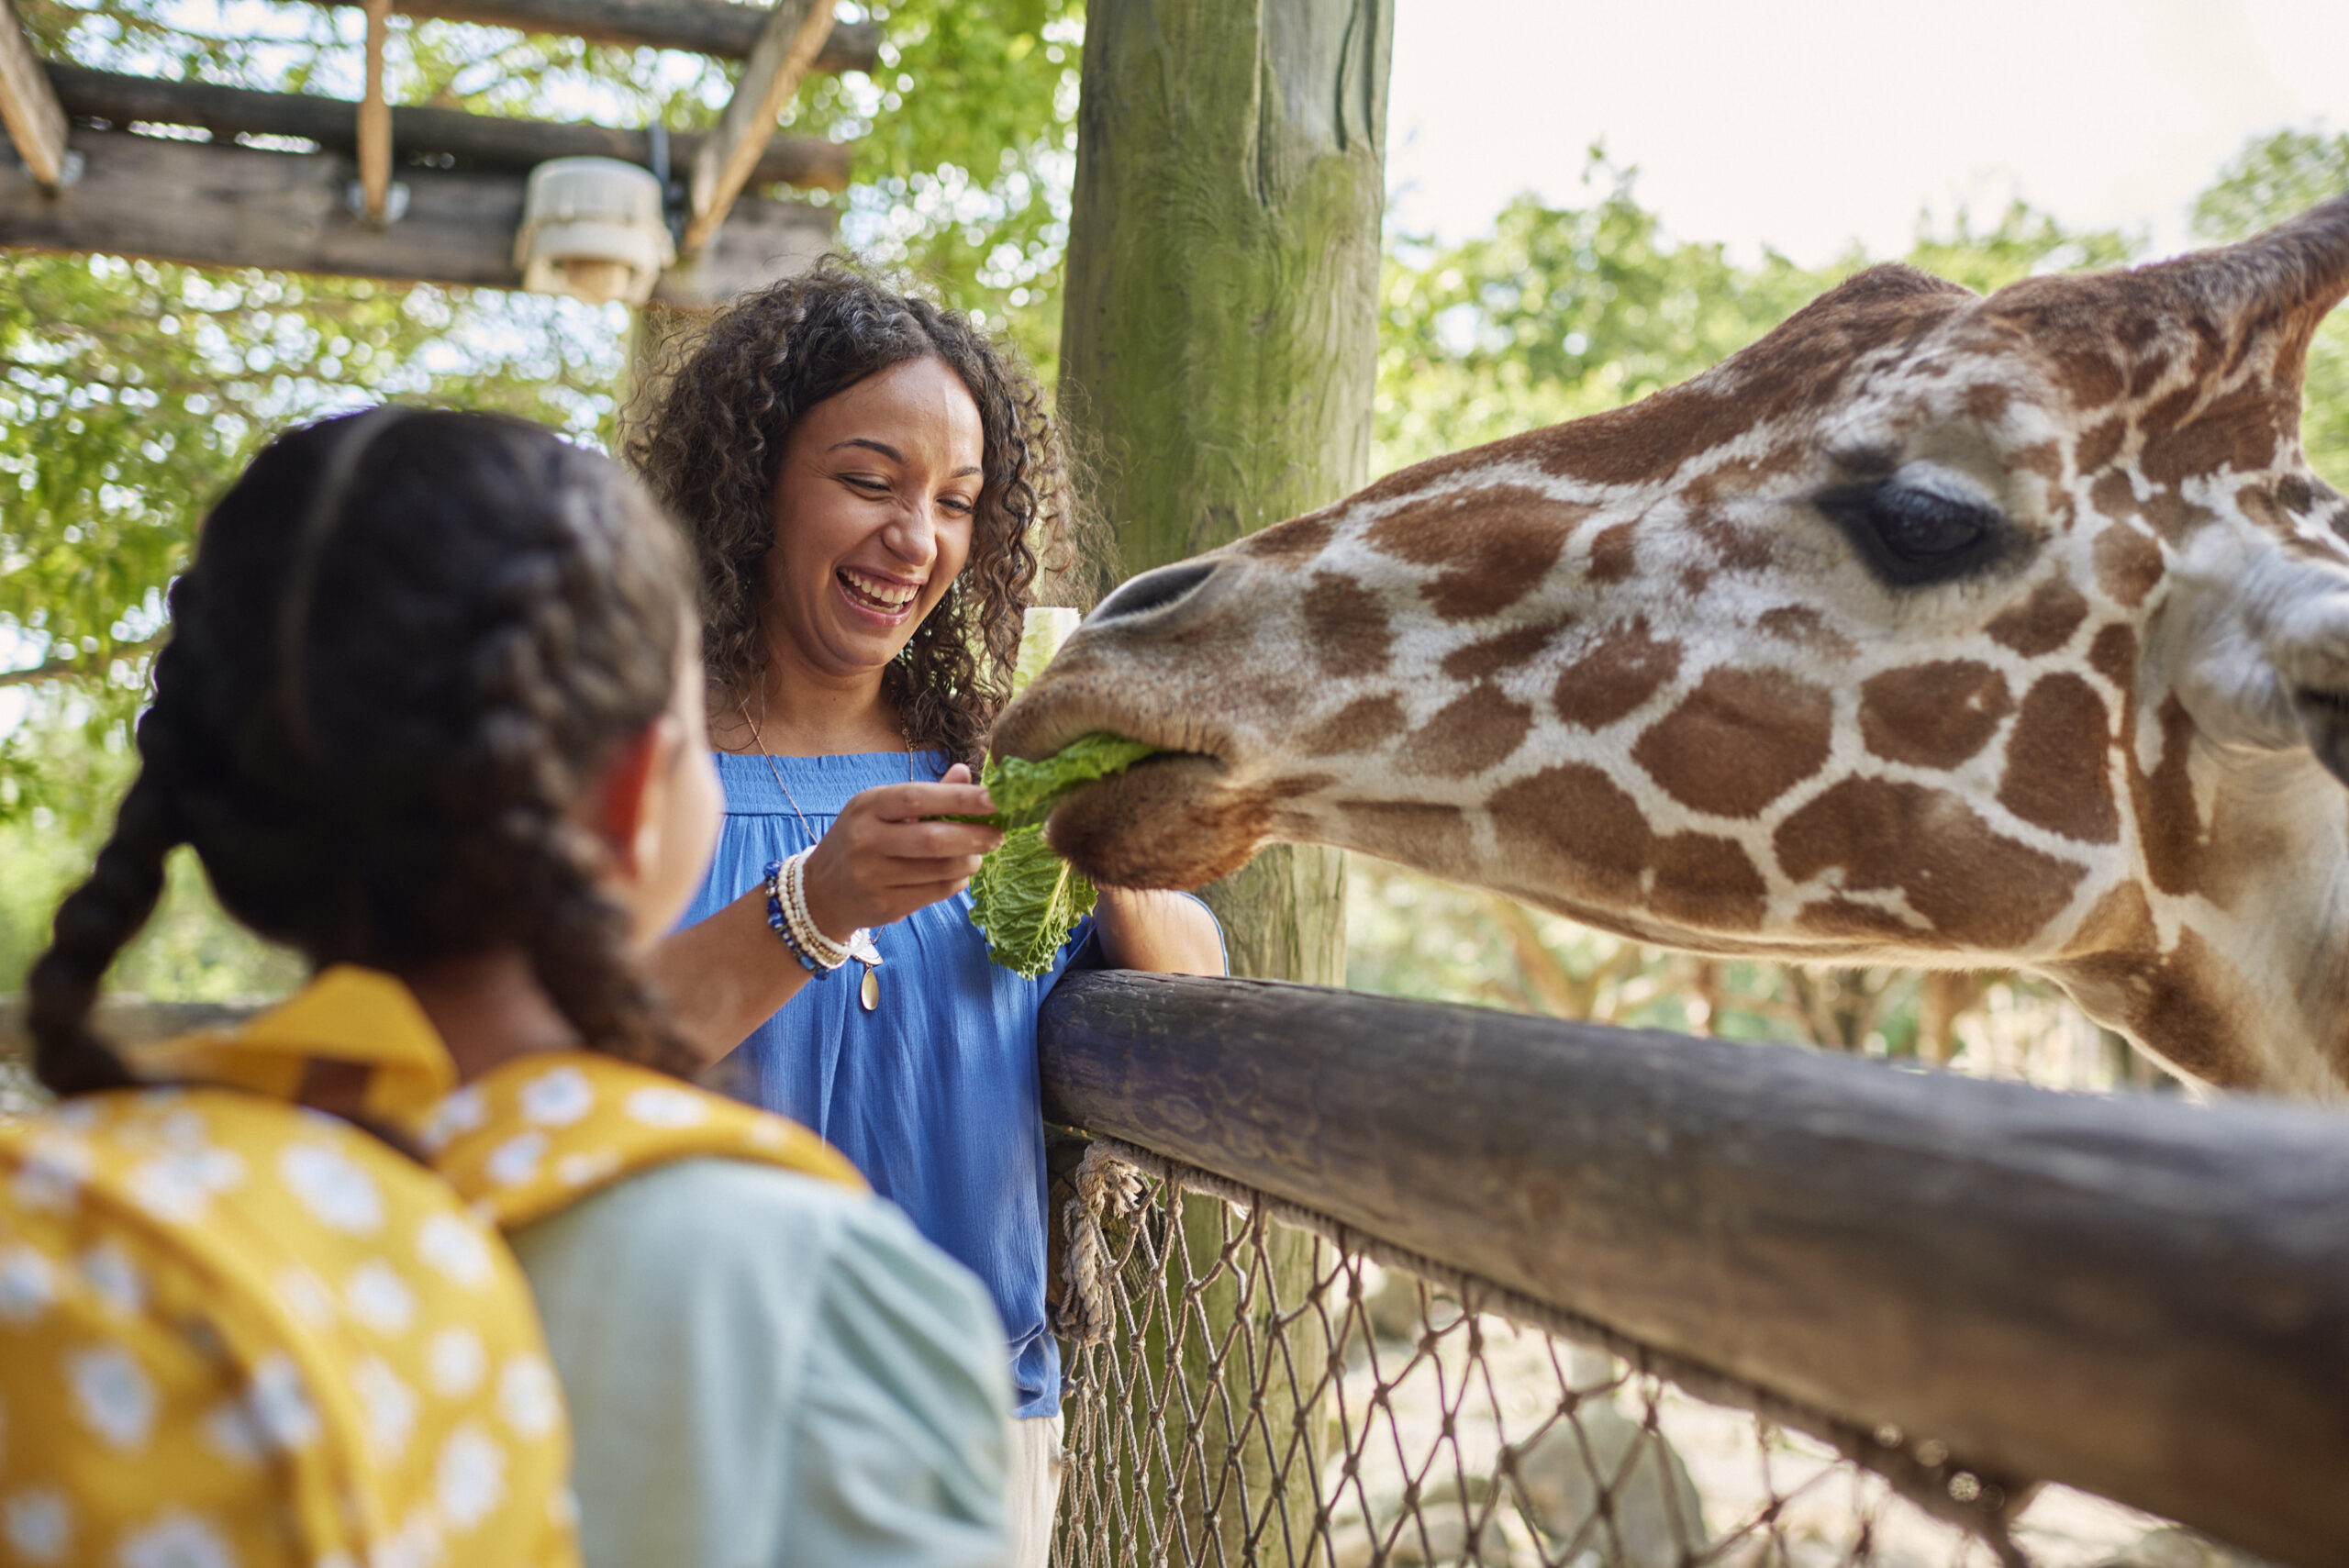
{"x": 1930, "y": 628}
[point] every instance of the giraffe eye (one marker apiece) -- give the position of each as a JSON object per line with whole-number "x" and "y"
{"x": 1910, "y": 535}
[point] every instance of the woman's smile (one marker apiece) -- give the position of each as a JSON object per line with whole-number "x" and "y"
{"x": 885, "y": 599}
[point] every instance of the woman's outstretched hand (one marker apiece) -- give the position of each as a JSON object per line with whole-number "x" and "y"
{"x": 884, "y": 856}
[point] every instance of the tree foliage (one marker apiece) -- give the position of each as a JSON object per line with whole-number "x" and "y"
{"x": 131, "y": 392}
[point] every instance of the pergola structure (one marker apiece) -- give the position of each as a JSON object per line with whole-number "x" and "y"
{"x": 421, "y": 195}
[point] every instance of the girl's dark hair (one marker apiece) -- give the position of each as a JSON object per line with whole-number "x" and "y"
{"x": 711, "y": 437}
{"x": 407, "y": 643}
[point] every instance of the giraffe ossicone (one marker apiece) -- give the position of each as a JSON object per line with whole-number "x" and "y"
{"x": 1931, "y": 629}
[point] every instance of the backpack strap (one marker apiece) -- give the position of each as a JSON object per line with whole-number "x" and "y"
{"x": 536, "y": 1134}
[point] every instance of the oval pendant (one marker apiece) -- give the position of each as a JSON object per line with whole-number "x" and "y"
{"x": 868, "y": 991}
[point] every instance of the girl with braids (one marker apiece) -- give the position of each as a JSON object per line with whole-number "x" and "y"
{"x": 431, "y": 713}
{"x": 871, "y": 487}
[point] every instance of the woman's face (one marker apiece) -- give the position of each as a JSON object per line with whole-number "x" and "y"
{"x": 873, "y": 504}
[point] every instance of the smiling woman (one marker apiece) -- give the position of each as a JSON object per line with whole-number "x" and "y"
{"x": 871, "y": 487}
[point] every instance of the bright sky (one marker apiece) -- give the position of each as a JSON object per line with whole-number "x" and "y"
{"x": 1805, "y": 124}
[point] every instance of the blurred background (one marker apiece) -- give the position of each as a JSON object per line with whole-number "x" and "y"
{"x": 1587, "y": 202}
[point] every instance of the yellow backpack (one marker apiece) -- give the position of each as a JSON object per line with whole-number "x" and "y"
{"x": 236, "y": 1331}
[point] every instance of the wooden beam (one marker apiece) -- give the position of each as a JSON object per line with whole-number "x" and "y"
{"x": 788, "y": 44}
{"x": 2141, "y": 1297}
{"x": 717, "y": 27}
{"x": 450, "y": 136}
{"x": 238, "y": 206}
{"x": 35, "y": 123}
{"x": 375, "y": 119}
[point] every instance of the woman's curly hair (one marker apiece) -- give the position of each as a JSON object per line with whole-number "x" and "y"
{"x": 407, "y": 643}
{"x": 710, "y": 439}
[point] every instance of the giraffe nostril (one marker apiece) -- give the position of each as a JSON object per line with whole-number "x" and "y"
{"x": 1151, "y": 591}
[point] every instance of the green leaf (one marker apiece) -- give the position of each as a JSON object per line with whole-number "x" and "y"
{"x": 1026, "y": 901}
{"x": 1025, "y": 792}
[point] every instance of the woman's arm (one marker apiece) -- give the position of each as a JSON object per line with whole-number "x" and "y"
{"x": 1168, "y": 933}
{"x": 727, "y": 975}
{"x": 883, "y": 858}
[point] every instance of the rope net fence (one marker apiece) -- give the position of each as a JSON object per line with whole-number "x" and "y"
{"x": 1252, "y": 1384}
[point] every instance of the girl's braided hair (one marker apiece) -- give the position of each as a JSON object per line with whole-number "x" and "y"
{"x": 407, "y": 643}
{"x": 711, "y": 437}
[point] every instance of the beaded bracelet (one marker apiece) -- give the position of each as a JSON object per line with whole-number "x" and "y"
{"x": 787, "y": 917}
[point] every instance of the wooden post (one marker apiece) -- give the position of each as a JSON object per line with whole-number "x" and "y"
{"x": 28, "y": 108}
{"x": 1219, "y": 353}
{"x": 794, "y": 35}
{"x": 376, "y": 119}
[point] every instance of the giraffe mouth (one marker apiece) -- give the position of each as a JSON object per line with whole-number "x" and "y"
{"x": 1171, "y": 820}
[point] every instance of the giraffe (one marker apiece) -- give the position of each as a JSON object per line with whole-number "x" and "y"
{"x": 1931, "y": 629}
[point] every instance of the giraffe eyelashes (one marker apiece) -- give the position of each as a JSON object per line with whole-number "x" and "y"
{"x": 1909, "y": 536}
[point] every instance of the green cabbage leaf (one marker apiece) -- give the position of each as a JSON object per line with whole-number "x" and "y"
{"x": 1026, "y": 900}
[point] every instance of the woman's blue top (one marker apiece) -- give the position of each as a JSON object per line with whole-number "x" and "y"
{"x": 933, "y": 1095}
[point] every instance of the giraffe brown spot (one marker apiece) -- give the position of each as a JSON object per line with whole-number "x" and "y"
{"x": 1736, "y": 548}
{"x": 1988, "y": 401}
{"x": 1506, "y": 650}
{"x": 1573, "y": 831}
{"x": 1357, "y": 727}
{"x": 2042, "y": 623}
{"x": 1617, "y": 677}
{"x": 2296, "y": 495}
{"x": 1470, "y": 734}
{"x": 2089, "y": 376}
{"x": 2113, "y": 496}
{"x": 1408, "y": 832}
{"x": 2238, "y": 430}
{"x": 1494, "y": 544}
{"x": 1970, "y": 885}
{"x": 1695, "y": 580}
{"x": 1706, "y": 881}
{"x": 1805, "y": 628}
{"x": 2173, "y": 516}
{"x": 1935, "y": 715}
{"x": 2170, "y": 830}
{"x": 1612, "y": 557}
{"x": 2057, "y": 772}
{"x": 1345, "y": 624}
{"x": 2113, "y": 655}
{"x": 1293, "y": 542}
{"x": 2128, "y": 565}
{"x": 2147, "y": 372}
{"x": 2101, "y": 444}
{"x": 1740, "y": 740}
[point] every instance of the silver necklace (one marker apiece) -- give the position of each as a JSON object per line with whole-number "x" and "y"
{"x": 868, "y": 990}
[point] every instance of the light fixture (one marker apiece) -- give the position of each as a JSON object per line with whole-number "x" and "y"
{"x": 593, "y": 228}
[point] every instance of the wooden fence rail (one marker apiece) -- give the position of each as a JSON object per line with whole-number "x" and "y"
{"x": 2143, "y": 1298}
